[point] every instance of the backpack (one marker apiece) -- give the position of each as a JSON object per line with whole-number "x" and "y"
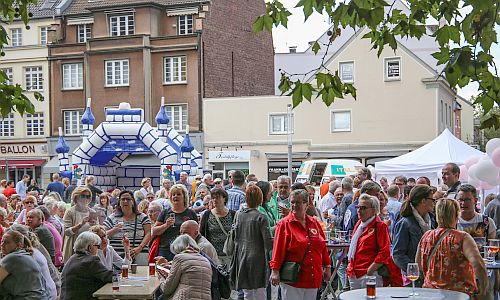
{"x": 220, "y": 287}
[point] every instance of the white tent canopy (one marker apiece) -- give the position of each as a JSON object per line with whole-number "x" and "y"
{"x": 429, "y": 159}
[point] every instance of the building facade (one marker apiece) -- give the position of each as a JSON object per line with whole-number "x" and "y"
{"x": 139, "y": 51}
{"x": 23, "y": 139}
{"x": 401, "y": 105}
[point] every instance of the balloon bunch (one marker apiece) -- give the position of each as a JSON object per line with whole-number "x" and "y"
{"x": 483, "y": 172}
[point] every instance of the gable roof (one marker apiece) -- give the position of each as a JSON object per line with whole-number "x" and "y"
{"x": 44, "y": 9}
{"x": 303, "y": 62}
{"x": 82, "y": 6}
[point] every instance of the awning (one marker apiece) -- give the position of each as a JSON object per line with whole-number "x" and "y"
{"x": 21, "y": 163}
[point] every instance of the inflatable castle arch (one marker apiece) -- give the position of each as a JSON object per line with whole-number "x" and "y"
{"x": 124, "y": 132}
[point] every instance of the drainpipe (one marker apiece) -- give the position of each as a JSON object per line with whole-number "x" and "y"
{"x": 200, "y": 82}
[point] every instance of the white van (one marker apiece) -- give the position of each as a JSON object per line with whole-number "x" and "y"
{"x": 319, "y": 171}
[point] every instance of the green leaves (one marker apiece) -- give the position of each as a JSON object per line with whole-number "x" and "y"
{"x": 465, "y": 35}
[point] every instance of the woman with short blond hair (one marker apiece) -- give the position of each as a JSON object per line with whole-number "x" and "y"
{"x": 456, "y": 263}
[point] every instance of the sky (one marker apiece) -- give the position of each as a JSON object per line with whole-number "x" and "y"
{"x": 300, "y": 33}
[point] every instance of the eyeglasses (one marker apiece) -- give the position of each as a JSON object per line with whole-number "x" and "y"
{"x": 433, "y": 199}
{"x": 85, "y": 196}
{"x": 362, "y": 207}
{"x": 30, "y": 202}
{"x": 151, "y": 197}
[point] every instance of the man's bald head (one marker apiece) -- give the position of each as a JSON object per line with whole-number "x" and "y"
{"x": 191, "y": 228}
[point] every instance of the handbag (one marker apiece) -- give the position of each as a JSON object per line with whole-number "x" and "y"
{"x": 229, "y": 243}
{"x": 289, "y": 272}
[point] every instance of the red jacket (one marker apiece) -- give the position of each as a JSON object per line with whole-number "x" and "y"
{"x": 374, "y": 246}
{"x": 9, "y": 191}
{"x": 290, "y": 244}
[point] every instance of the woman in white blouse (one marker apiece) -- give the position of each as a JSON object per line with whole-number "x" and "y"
{"x": 107, "y": 254}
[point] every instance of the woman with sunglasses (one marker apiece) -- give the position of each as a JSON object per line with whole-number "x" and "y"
{"x": 416, "y": 220}
{"x": 77, "y": 219}
{"x": 29, "y": 203}
{"x": 129, "y": 221}
{"x": 84, "y": 273}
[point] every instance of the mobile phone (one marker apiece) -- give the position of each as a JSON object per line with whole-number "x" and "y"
{"x": 162, "y": 270}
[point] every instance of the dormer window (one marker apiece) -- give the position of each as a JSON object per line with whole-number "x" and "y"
{"x": 121, "y": 25}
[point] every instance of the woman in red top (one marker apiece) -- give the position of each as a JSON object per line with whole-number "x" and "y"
{"x": 370, "y": 247}
{"x": 456, "y": 263}
{"x": 296, "y": 234}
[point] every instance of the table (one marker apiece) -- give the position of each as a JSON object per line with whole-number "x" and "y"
{"x": 128, "y": 290}
{"x": 403, "y": 293}
{"x": 332, "y": 248}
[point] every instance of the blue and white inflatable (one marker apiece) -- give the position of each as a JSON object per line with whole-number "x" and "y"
{"x": 124, "y": 132}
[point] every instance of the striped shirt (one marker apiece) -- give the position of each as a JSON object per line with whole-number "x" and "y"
{"x": 236, "y": 197}
{"x": 128, "y": 229}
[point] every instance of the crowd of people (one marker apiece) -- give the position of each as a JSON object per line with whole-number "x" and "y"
{"x": 268, "y": 238}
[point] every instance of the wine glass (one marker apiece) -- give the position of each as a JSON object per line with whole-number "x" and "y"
{"x": 412, "y": 273}
{"x": 494, "y": 248}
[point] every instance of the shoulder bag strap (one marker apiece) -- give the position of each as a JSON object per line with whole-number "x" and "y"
{"x": 436, "y": 246}
{"x": 220, "y": 224}
{"x": 308, "y": 246}
{"x": 135, "y": 231}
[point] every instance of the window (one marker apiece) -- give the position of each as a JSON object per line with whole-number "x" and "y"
{"x": 175, "y": 69}
{"x": 43, "y": 35}
{"x": 121, "y": 25}
{"x": 72, "y": 125}
{"x": 185, "y": 24}
{"x": 117, "y": 72}
{"x": 178, "y": 116}
{"x": 7, "y": 125}
{"x": 16, "y": 37}
{"x": 9, "y": 74}
{"x": 34, "y": 78}
{"x": 34, "y": 124}
{"x": 392, "y": 69}
{"x": 84, "y": 32}
{"x": 341, "y": 121}
{"x": 72, "y": 76}
{"x": 346, "y": 70}
{"x": 278, "y": 123}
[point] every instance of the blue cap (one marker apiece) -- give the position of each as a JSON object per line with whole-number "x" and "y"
{"x": 162, "y": 116}
{"x": 88, "y": 117}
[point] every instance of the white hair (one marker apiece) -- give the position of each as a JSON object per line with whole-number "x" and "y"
{"x": 3, "y": 213}
{"x": 86, "y": 239}
{"x": 50, "y": 203}
{"x": 156, "y": 204}
{"x": 181, "y": 243}
{"x": 373, "y": 201}
{"x": 61, "y": 204}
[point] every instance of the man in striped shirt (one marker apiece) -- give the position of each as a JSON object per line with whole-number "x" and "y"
{"x": 236, "y": 194}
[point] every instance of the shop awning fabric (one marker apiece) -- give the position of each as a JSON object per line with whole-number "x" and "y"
{"x": 21, "y": 163}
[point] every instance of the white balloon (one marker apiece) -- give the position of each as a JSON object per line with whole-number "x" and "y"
{"x": 492, "y": 145}
{"x": 472, "y": 171}
{"x": 474, "y": 182}
{"x": 494, "y": 182}
{"x": 486, "y": 171}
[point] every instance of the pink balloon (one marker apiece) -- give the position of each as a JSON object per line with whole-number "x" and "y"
{"x": 495, "y": 157}
{"x": 468, "y": 163}
{"x": 464, "y": 173}
{"x": 486, "y": 186}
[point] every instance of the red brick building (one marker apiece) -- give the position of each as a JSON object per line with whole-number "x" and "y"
{"x": 138, "y": 51}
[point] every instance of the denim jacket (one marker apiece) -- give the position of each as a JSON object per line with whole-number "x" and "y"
{"x": 406, "y": 236}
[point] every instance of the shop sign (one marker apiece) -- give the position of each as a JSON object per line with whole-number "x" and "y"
{"x": 228, "y": 156}
{"x": 14, "y": 150}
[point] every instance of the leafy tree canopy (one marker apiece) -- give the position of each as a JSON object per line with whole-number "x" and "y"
{"x": 12, "y": 97}
{"x": 464, "y": 41}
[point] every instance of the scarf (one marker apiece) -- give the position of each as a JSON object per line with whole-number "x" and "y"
{"x": 425, "y": 222}
{"x": 355, "y": 237}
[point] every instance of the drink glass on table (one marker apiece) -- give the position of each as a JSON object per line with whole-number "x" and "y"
{"x": 371, "y": 286}
{"x": 124, "y": 271}
{"x": 494, "y": 248}
{"x": 152, "y": 269}
{"x": 412, "y": 273}
{"x": 116, "y": 282}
